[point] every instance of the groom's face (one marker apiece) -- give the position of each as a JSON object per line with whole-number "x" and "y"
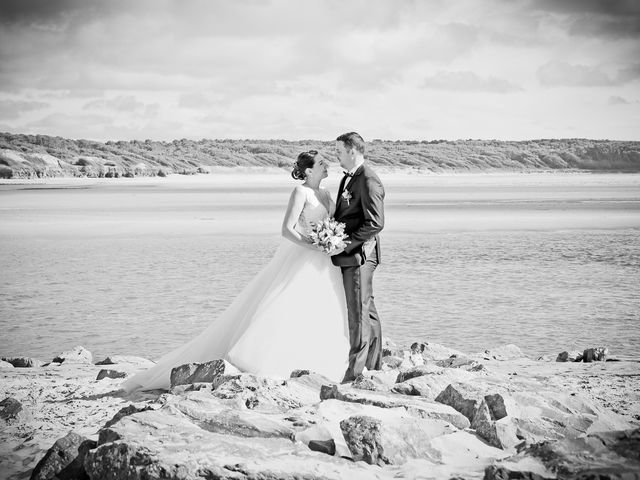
{"x": 345, "y": 156}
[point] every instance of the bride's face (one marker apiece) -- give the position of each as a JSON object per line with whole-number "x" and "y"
{"x": 319, "y": 170}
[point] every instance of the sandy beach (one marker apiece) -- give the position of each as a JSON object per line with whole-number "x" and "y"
{"x": 60, "y": 398}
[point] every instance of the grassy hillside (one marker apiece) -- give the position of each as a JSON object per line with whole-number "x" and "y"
{"x": 29, "y": 156}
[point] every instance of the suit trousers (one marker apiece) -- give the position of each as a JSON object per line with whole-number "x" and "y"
{"x": 365, "y": 332}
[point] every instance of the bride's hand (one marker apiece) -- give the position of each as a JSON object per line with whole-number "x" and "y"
{"x": 336, "y": 252}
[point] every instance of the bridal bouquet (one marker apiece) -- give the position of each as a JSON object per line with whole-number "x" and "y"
{"x": 328, "y": 235}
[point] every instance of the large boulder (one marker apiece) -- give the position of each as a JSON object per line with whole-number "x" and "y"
{"x": 65, "y": 459}
{"x": 126, "y": 359}
{"x": 207, "y": 372}
{"x": 505, "y": 418}
{"x": 573, "y": 356}
{"x": 105, "y": 373}
{"x": 23, "y": 362}
{"x": 463, "y": 397}
{"x": 382, "y": 443}
{"x": 169, "y": 444}
{"x": 430, "y": 385}
{"x": 77, "y": 354}
{"x": 414, "y": 406}
{"x": 502, "y": 353}
{"x": 595, "y": 354}
{"x": 12, "y": 411}
{"x": 125, "y": 412}
{"x": 225, "y": 416}
{"x": 267, "y": 394}
{"x": 433, "y": 351}
{"x": 4, "y": 364}
{"x": 611, "y": 455}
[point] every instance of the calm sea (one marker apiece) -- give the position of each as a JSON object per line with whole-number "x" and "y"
{"x": 549, "y": 262}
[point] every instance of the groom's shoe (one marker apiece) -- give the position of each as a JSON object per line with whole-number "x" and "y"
{"x": 347, "y": 380}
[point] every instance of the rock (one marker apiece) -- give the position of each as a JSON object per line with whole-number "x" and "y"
{"x": 126, "y": 411}
{"x": 268, "y": 395}
{"x": 503, "y": 353}
{"x": 434, "y": 352}
{"x": 430, "y": 385}
{"x": 76, "y": 355}
{"x": 65, "y": 459}
{"x": 390, "y": 348}
{"x": 414, "y": 406}
{"x": 201, "y": 372}
{"x": 411, "y": 359}
{"x": 383, "y": 377}
{"x": 462, "y": 397}
{"x": 220, "y": 416}
{"x": 610, "y": 455}
{"x": 595, "y": 354}
{"x": 493, "y": 425}
{"x": 460, "y": 362}
{"x": 110, "y": 374}
{"x": 368, "y": 383}
{"x": 168, "y": 444}
{"x": 419, "y": 371}
{"x": 569, "y": 357}
{"x": 323, "y": 446}
{"x": 23, "y": 362}
{"x": 12, "y": 411}
{"x": 486, "y": 412}
{"x": 495, "y": 472}
{"x": 299, "y": 373}
{"x": 128, "y": 359}
{"x": 4, "y": 364}
{"x": 390, "y": 361}
{"x": 362, "y": 434}
{"x": 381, "y": 443}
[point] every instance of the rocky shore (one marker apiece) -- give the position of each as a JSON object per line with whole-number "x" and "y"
{"x": 432, "y": 412}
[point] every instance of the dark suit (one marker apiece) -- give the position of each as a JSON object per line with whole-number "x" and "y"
{"x": 362, "y": 211}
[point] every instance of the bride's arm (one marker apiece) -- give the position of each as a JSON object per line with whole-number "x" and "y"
{"x": 296, "y": 204}
{"x": 332, "y": 203}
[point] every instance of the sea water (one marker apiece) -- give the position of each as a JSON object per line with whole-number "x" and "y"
{"x": 547, "y": 261}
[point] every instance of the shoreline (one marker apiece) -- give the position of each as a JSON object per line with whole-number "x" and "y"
{"x": 237, "y": 173}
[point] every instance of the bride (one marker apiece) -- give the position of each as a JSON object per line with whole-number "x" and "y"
{"x": 291, "y": 315}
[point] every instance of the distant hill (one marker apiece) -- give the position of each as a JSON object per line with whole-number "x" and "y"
{"x": 32, "y": 156}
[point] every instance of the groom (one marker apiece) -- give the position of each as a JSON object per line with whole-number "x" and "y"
{"x": 360, "y": 206}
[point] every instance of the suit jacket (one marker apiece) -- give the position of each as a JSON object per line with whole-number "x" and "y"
{"x": 360, "y": 206}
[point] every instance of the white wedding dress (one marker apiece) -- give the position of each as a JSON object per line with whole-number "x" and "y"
{"x": 291, "y": 315}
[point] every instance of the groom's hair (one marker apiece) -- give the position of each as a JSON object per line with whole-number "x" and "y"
{"x": 352, "y": 140}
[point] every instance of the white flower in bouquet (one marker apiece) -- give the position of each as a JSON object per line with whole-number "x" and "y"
{"x": 328, "y": 235}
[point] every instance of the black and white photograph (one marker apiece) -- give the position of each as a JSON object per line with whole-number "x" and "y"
{"x": 319, "y": 239}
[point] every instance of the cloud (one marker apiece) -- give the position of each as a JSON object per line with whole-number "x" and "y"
{"x": 469, "y": 82}
{"x": 616, "y": 100}
{"x": 92, "y": 126}
{"x": 14, "y": 108}
{"x": 557, "y": 73}
{"x": 629, "y": 74}
{"x": 193, "y": 100}
{"x": 149, "y": 66}
{"x": 121, "y": 103}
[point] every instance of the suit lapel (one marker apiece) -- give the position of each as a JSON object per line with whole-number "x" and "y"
{"x": 345, "y": 185}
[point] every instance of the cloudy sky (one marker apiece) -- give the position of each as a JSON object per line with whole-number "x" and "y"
{"x": 311, "y": 69}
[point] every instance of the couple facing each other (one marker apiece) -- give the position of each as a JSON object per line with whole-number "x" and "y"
{"x": 305, "y": 309}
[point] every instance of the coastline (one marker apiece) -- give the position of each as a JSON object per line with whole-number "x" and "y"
{"x": 63, "y": 397}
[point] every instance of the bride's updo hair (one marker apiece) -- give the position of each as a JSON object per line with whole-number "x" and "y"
{"x": 305, "y": 160}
